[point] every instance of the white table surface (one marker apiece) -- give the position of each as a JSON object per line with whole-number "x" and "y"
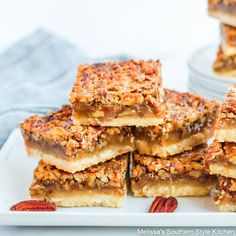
{"x": 170, "y": 30}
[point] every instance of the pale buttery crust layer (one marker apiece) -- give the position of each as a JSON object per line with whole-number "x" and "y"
{"x": 221, "y": 159}
{"x": 119, "y": 121}
{"x": 172, "y": 188}
{"x": 226, "y": 135}
{"x": 228, "y": 50}
{"x": 151, "y": 148}
{"x": 85, "y": 198}
{"x": 101, "y": 156}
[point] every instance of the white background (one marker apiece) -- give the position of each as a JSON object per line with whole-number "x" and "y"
{"x": 166, "y": 29}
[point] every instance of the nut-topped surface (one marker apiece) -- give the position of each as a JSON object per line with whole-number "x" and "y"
{"x": 110, "y": 173}
{"x": 184, "y": 110}
{"x": 189, "y": 162}
{"x": 56, "y": 128}
{"x": 223, "y": 152}
{"x": 123, "y": 83}
{"x": 229, "y": 104}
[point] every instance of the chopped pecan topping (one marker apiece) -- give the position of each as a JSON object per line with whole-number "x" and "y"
{"x": 227, "y": 184}
{"x": 122, "y": 83}
{"x": 56, "y": 128}
{"x": 110, "y": 173}
{"x": 224, "y": 63}
{"x": 187, "y": 113}
{"x": 223, "y": 152}
{"x": 187, "y": 163}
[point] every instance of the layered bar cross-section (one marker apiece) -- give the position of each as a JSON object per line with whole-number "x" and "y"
{"x": 221, "y": 159}
{"x": 223, "y": 10}
{"x": 226, "y": 126}
{"x": 54, "y": 139}
{"x": 226, "y": 196}
{"x": 100, "y": 185}
{"x": 124, "y": 93}
{"x": 189, "y": 121}
{"x": 179, "y": 175}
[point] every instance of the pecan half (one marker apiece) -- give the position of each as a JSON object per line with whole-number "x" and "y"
{"x": 34, "y": 205}
{"x": 163, "y": 204}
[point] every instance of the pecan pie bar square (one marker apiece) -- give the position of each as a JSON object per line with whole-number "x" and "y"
{"x": 224, "y": 65}
{"x": 124, "y": 93}
{"x": 226, "y": 126}
{"x": 223, "y": 10}
{"x": 103, "y": 184}
{"x": 179, "y": 175}
{"x": 221, "y": 159}
{"x": 189, "y": 121}
{"x": 228, "y": 37}
{"x": 226, "y": 194}
{"x": 58, "y": 142}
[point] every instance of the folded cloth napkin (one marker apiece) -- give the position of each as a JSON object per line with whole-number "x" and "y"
{"x": 36, "y": 76}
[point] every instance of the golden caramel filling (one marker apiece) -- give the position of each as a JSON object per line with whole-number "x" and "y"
{"x": 187, "y": 165}
{"x": 56, "y": 130}
{"x": 224, "y": 153}
{"x": 110, "y": 174}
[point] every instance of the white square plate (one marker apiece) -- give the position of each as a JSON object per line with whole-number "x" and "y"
{"x": 16, "y": 172}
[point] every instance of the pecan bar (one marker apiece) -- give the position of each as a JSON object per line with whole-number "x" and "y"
{"x": 226, "y": 126}
{"x": 226, "y": 197}
{"x": 125, "y": 93}
{"x": 221, "y": 159}
{"x": 223, "y": 10}
{"x": 58, "y": 142}
{"x": 179, "y": 175}
{"x": 100, "y": 185}
{"x": 228, "y": 37}
{"x": 189, "y": 121}
{"x": 225, "y": 65}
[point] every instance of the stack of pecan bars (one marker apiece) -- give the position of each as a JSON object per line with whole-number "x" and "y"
{"x": 120, "y": 110}
{"x": 221, "y": 156}
{"x": 169, "y": 156}
{"x": 225, "y": 12}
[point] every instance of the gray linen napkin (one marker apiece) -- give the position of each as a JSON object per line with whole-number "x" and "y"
{"x": 36, "y": 75}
